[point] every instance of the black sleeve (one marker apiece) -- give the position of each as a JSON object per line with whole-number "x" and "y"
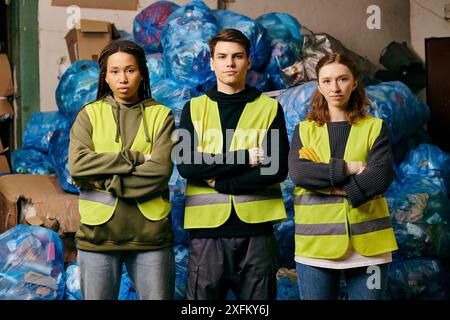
{"x": 192, "y": 165}
{"x": 313, "y": 175}
{"x": 259, "y": 177}
{"x": 379, "y": 173}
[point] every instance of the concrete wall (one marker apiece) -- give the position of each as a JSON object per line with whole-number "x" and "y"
{"x": 346, "y": 20}
{"x": 427, "y": 20}
{"x": 53, "y": 54}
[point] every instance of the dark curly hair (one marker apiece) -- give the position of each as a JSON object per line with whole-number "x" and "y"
{"x": 127, "y": 47}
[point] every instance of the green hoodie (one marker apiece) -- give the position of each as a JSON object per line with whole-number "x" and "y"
{"x": 128, "y": 176}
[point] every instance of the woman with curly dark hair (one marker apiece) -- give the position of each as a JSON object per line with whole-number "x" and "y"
{"x": 119, "y": 154}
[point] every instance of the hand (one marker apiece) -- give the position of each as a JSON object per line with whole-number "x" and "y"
{"x": 211, "y": 182}
{"x": 148, "y": 157}
{"x": 256, "y": 156}
{"x": 354, "y": 167}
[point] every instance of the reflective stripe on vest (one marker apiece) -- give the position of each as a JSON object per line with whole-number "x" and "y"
{"x": 98, "y": 206}
{"x": 207, "y": 208}
{"x": 326, "y": 223}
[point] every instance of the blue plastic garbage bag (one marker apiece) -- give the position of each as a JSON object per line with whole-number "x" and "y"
{"x": 430, "y": 162}
{"x": 287, "y": 284}
{"x": 284, "y": 230}
{"x": 40, "y": 128}
{"x": 402, "y": 111}
{"x": 58, "y": 155}
{"x": 284, "y": 53}
{"x": 77, "y": 87}
{"x": 125, "y": 35}
{"x": 185, "y": 39}
{"x": 421, "y": 278}
{"x": 177, "y": 186}
{"x": 181, "y": 260}
{"x": 173, "y": 95}
{"x": 31, "y": 264}
{"x": 296, "y": 104}
{"x": 420, "y": 214}
{"x": 156, "y": 69}
{"x": 127, "y": 290}
{"x": 260, "y": 43}
{"x": 281, "y": 25}
{"x": 30, "y": 161}
{"x": 284, "y": 31}
{"x": 147, "y": 25}
{"x": 73, "y": 290}
{"x": 401, "y": 148}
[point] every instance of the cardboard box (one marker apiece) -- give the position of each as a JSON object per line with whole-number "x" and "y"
{"x": 99, "y": 4}
{"x": 37, "y": 200}
{"x": 4, "y": 165}
{"x": 87, "y": 40}
{"x": 6, "y": 84}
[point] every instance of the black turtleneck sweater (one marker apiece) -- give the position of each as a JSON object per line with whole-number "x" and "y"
{"x": 234, "y": 178}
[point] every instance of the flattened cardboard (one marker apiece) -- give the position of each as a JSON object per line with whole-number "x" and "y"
{"x": 99, "y": 4}
{"x": 6, "y": 84}
{"x": 46, "y": 196}
{"x": 87, "y": 40}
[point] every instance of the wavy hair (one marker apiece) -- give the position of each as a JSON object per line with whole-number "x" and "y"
{"x": 357, "y": 103}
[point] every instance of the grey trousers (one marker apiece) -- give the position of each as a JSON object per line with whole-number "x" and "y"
{"x": 152, "y": 273}
{"x": 244, "y": 265}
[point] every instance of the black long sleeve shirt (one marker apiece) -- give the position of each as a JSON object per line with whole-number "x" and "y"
{"x": 234, "y": 178}
{"x": 359, "y": 188}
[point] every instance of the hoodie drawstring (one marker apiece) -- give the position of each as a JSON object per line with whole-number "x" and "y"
{"x": 147, "y": 138}
{"x": 118, "y": 122}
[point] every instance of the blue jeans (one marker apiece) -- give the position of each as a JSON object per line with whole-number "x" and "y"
{"x": 363, "y": 283}
{"x": 152, "y": 273}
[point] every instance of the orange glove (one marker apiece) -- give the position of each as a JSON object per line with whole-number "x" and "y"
{"x": 308, "y": 153}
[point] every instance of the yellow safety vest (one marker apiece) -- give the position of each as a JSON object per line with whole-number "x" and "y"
{"x": 206, "y": 207}
{"x": 98, "y": 206}
{"x": 324, "y": 224}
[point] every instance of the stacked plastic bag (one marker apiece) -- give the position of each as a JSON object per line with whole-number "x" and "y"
{"x": 284, "y": 31}
{"x": 155, "y": 65}
{"x": 185, "y": 37}
{"x": 33, "y": 158}
{"x": 419, "y": 278}
{"x": 58, "y": 155}
{"x": 31, "y": 264}
{"x": 173, "y": 95}
{"x": 259, "y": 41}
{"x": 147, "y": 25}
{"x": 181, "y": 260}
{"x": 402, "y": 111}
{"x": 77, "y": 87}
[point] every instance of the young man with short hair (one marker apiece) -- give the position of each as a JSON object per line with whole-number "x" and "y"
{"x": 234, "y": 149}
